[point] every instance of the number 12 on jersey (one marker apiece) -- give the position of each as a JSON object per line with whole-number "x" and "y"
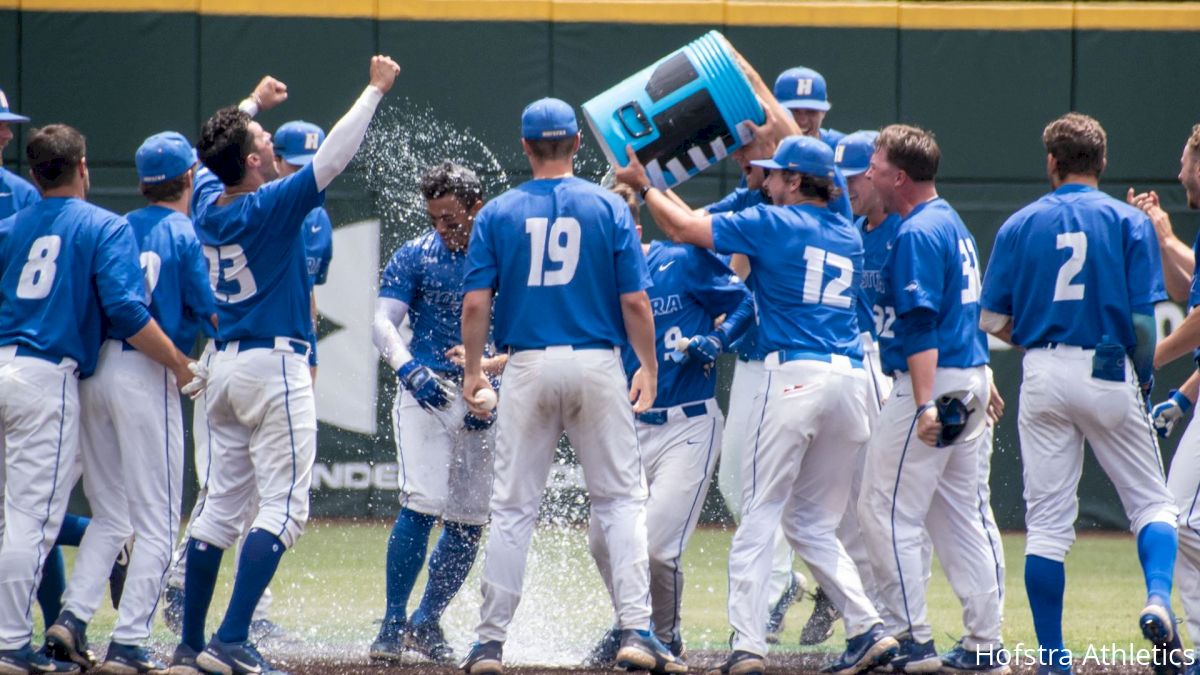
{"x": 558, "y": 242}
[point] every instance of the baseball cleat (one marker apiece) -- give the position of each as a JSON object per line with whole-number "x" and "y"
{"x": 484, "y": 658}
{"x": 864, "y": 652}
{"x": 677, "y": 648}
{"x": 120, "y": 570}
{"x": 263, "y": 664}
{"x": 428, "y": 640}
{"x": 388, "y": 646}
{"x": 1157, "y": 622}
{"x": 604, "y": 654}
{"x": 641, "y": 650}
{"x": 962, "y": 660}
{"x": 172, "y": 612}
{"x": 183, "y": 661}
{"x": 262, "y": 630}
{"x": 24, "y": 660}
{"x": 66, "y": 640}
{"x": 741, "y": 663}
{"x": 775, "y": 621}
{"x": 915, "y": 657}
{"x": 129, "y": 660}
{"x": 229, "y": 658}
{"x": 819, "y": 627}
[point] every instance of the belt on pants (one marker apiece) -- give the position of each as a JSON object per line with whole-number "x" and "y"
{"x": 660, "y": 417}
{"x": 282, "y": 343}
{"x": 601, "y": 344}
{"x": 786, "y": 355}
{"x": 26, "y": 350}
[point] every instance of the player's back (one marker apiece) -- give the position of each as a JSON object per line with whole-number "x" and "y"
{"x": 255, "y": 247}
{"x": 175, "y": 270}
{"x": 1077, "y": 262}
{"x": 67, "y": 267}
{"x": 560, "y": 252}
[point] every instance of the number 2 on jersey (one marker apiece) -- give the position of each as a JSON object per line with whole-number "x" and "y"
{"x": 560, "y": 245}
{"x": 37, "y": 276}
{"x": 1063, "y": 288}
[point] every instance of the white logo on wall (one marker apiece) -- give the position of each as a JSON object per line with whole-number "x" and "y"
{"x": 346, "y": 393}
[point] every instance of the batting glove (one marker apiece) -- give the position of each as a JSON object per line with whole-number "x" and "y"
{"x": 430, "y": 390}
{"x": 473, "y": 423}
{"x": 703, "y": 349}
{"x": 1167, "y": 414}
{"x": 199, "y": 382}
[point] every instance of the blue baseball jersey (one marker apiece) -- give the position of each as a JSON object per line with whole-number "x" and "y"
{"x": 428, "y": 277}
{"x": 1071, "y": 267}
{"x": 15, "y": 193}
{"x": 318, "y": 244}
{"x": 255, "y": 251}
{"x": 560, "y": 252}
{"x": 68, "y": 268}
{"x": 747, "y": 347}
{"x": 176, "y": 272}
{"x": 692, "y": 287}
{"x": 807, "y": 264}
{"x": 934, "y": 266}
{"x": 877, "y": 244}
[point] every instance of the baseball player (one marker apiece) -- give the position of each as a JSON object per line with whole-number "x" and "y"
{"x": 564, "y": 261}
{"x": 133, "y": 424}
{"x": 1184, "y": 477}
{"x": 795, "y": 474}
{"x": 1073, "y": 280}
{"x": 261, "y": 414}
{"x": 443, "y": 451}
{"x": 680, "y": 436}
{"x": 70, "y": 274}
{"x": 911, "y": 490}
{"x": 15, "y": 192}
{"x": 803, "y": 91}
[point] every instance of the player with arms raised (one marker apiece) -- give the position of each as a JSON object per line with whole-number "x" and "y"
{"x": 1073, "y": 280}
{"x": 565, "y": 263}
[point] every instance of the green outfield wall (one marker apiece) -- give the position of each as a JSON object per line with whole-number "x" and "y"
{"x": 985, "y": 77}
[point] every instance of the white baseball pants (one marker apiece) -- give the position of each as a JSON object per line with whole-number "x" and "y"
{"x": 910, "y": 492}
{"x": 678, "y": 457}
{"x": 1184, "y": 483}
{"x": 582, "y": 392}
{"x": 796, "y": 475}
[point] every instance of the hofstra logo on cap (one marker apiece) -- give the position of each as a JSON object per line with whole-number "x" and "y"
{"x": 3, "y": 101}
{"x": 552, "y": 133}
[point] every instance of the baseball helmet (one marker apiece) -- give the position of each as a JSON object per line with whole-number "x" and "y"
{"x": 802, "y": 154}
{"x": 962, "y": 416}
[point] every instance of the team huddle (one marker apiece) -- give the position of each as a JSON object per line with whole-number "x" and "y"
{"x": 859, "y": 429}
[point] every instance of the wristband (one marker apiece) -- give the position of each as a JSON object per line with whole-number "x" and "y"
{"x": 645, "y": 191}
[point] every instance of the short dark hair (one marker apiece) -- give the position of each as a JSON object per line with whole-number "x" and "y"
{"x": 628, "y": 196}
{"x": 1077, "y": 143}
{"x": 54, "y": 152}
{"x": 815, "y": 187}
{"x": 911, "y": 149}
{"x": 165, "y": 191}
{"x": 552, "y": 149}
{"x": 1193, "y": 143}
{"x": 225, "y": 141}
{"x": 449, "y": 178}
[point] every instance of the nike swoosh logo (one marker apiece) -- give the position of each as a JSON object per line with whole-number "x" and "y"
{"x": 316, "y": 229}
{"x": 663, "y": 267}
{"x": 248, "y": 667}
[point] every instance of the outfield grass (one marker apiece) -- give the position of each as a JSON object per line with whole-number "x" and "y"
{"x": 330, "y": 590}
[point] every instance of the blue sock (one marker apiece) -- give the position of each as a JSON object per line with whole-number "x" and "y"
{"x": 1045, "y": 583}
{"x": 71, "y": 532}
{"x": 54, "y": 582}
{"x": 1157, "y": 543}
{"x": 449, "y": 565}
{"x": 260, "y": 558}
{"x": 405, "y": 555}
{"x": 199, "y": 580}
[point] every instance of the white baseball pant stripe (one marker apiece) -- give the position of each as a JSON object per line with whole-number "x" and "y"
{"x": 583, "y": 393}
{"x": 262, "y": 426}
{"x": 1184, "y": 483}
{"x": 796, "y": 476}
{"x": 444, "y": 469}
{"x": 39, "y": 419}
{"x": 1061, "y": 406}
{"x": 132, "y": 452}
{"x": 678, "y": 457}
{"x": 741, "y": 427}
{"x": 898, "y": 510}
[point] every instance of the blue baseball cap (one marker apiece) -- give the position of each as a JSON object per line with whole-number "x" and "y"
{"x": 853, "y": 152}
{"x": 164, "y": 156}
{"x": 802, "y": 154}
{"x": 6, "y": 114}
{"x": 547, "y": 119}
{"x": 297, "y": 142}
{"x": 802, "y": 88}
